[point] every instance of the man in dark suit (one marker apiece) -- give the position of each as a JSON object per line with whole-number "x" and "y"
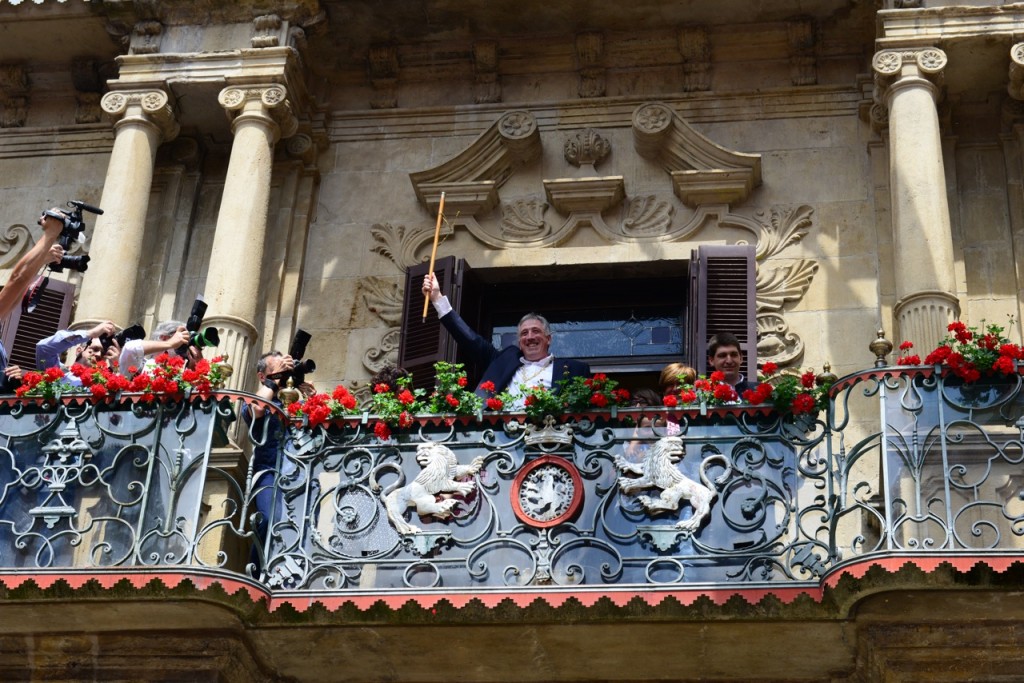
{"x": 528, "y": 364}
{"x": 725, "y": 356}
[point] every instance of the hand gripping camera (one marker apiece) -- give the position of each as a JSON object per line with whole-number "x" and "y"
{"x": 302, "y": 367}
{"x": 136, "y": 331}
{"x": 72, "y": 232}
{"x": 197, "y": 336}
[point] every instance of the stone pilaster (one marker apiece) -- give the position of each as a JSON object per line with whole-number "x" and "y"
{"x": 143, "y": 120}
{"x": 907, "y": 81}
{"x": 260, "y": 116}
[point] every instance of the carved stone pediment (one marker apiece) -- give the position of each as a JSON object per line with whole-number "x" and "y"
{"x": 471, "y": 179}
{"x": 702, "y": 171}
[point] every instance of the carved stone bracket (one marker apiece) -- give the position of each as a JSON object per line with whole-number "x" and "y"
{"x": 486, "y": 86}
{"x": 590, "y": 58}
{"x": 702, "y": 172}
{"x": 597, "y": 195}
{"x": 695, "y": 48}
{"x": 87, "y": 108}
{"x": 382, "y": 61}
{"x": 266, "y": 31}
{"x": 471, "y": 179}
{"x": 145, "y": 38}
{"x": 803, "y": 65}
{"x": 264, "y": 101}
{"x": 13, "y": 95}
{"x": 1016, "y": 85}
{"x": 152, "y": 106}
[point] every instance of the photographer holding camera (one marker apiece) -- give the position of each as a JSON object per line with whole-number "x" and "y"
{"x": 45, "y": 251}
{"x": 88, "y": 347}
{"x": 168, "y": 335}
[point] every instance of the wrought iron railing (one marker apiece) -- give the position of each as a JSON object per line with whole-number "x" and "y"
{"x": 904, "y": 462}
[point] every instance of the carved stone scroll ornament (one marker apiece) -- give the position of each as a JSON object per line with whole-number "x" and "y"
{"x": 384, "y": 353}
{"x": 522, "y": 220}
{"x": 441, "y": 474}
{"x": 648, "y": 216}
{"x": 775, "y": 343}
{"x": 659, "y": 470}
{"x": 13, "y": 241}
{"x": 400, "y": 245}
{"x": 152, "y": 106}
{"x": 382, "y": 297}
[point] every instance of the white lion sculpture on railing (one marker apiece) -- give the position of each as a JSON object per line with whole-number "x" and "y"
{"x": 441, "y": 472}
{"x": 658, "y": 470}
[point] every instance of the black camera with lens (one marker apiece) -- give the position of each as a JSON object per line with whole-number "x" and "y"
{"x": 126, "y": 335}
{"x": 302, "y": 367}
{"x": 72, "y": 232}
{"x": 198, "y": 337}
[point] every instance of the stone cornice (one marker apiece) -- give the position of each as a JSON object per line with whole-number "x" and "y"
{"x": 252, "y": 66}
{"x": 614, "y": 111}
{"x": 926, "y": 26}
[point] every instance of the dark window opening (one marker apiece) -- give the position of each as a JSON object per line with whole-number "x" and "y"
{"x": 625, "y": 319}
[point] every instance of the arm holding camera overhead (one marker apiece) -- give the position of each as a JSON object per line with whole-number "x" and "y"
{"x": 46, "y": 250}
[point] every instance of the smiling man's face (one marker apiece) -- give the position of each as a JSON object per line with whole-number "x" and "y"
{"x": 533, "y": 341}
{"x": 728, "y": 360}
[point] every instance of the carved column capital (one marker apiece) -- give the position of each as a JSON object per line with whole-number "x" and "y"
{"x": 891, "y": 66}
{"x": 150, "y": 106}
{"x": 268, "y": 103}
{"x": 1016, "y": 85}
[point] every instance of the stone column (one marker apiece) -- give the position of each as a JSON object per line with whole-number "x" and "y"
{"x": 144, "y": 120}
{"x": 261, "y": 115}
{"x": 922, "y": 239}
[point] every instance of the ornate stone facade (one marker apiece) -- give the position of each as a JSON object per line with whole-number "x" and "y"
{"x": 286, "y": 160}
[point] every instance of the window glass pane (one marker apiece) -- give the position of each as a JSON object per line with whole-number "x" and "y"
{"x": 637, "y": 336}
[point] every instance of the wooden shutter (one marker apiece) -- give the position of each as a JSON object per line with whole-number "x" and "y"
{"x": 723, "y": 298}
{"x": 424, "y": 343}
{"x": 22, "y": 330}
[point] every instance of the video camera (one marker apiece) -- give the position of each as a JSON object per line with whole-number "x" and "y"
{"x": 297, "y": 351}
{"x": 136, "y": 331}
{"x": 73, "y": 231}
{"x": 198, "y": 337}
